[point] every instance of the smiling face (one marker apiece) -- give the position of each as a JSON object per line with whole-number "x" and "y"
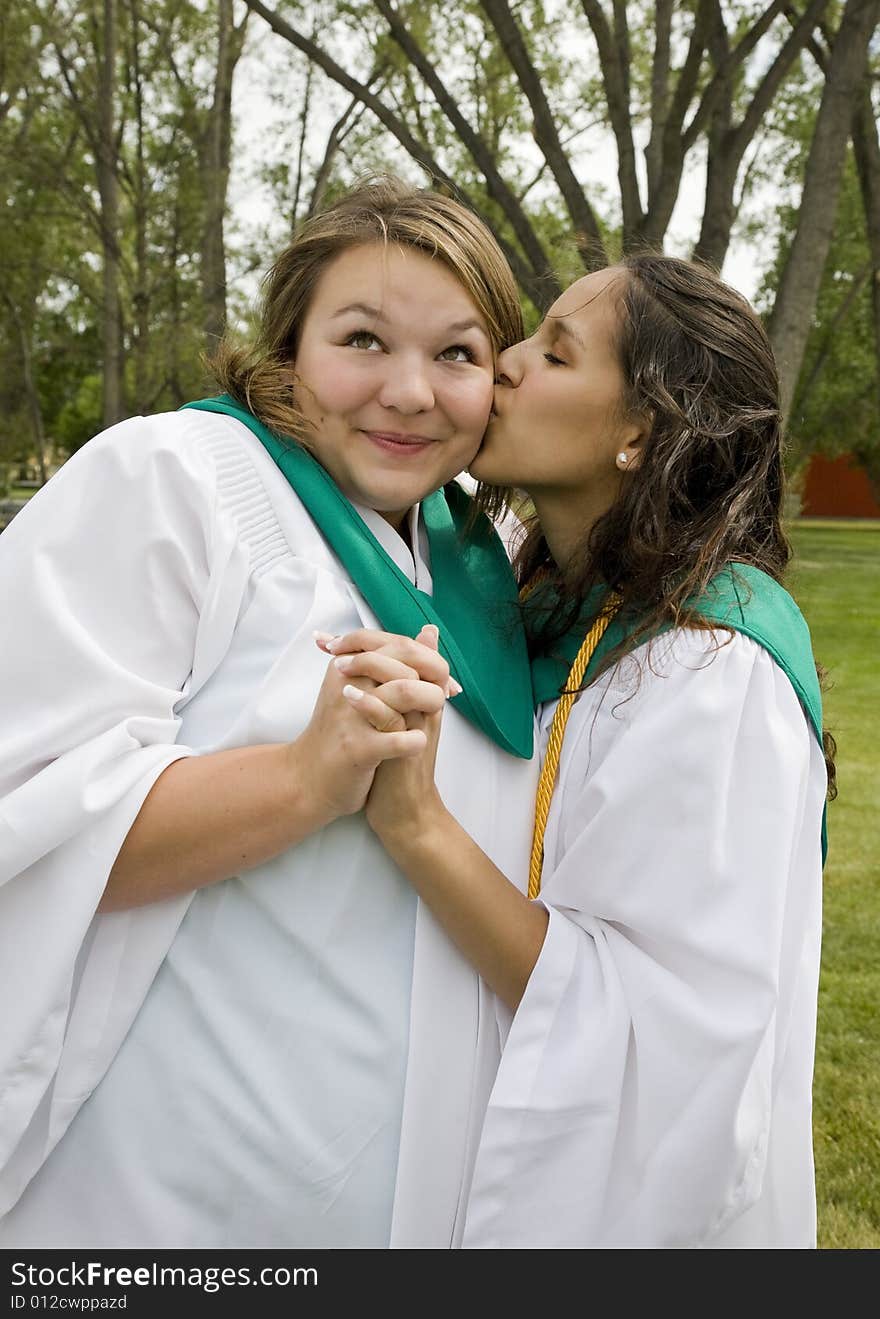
{"x": 394, "y": 376}
{"x": 559, "y": 424}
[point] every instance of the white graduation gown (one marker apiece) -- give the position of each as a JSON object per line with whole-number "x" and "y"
{"x": 294, "y": 1057}
{"x": 655, "y": 1084}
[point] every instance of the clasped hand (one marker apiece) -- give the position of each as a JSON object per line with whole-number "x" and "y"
{"x": 396, "y": 687}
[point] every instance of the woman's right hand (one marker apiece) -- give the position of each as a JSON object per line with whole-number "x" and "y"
{"x": 337, "y": 755}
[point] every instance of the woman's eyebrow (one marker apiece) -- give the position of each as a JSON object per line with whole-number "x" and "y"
{"x": 362, "y": 310}
{"x": 569, "y": 331}
{"x": 375, "y": 314}
{"x": 460, "y": 327}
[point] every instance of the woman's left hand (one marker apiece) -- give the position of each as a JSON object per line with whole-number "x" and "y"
{"x": 399, "y": 803}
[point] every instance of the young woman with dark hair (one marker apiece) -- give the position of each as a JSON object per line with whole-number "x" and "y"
{"x": 656, "y": 985}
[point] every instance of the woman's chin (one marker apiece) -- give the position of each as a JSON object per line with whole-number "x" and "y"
{"x": 484, "y": 479}
{"x": 481, "y": 470}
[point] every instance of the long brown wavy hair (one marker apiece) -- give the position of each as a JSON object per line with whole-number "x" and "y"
{"x": 708, "y": 489}
{"x": 381, "y": 209}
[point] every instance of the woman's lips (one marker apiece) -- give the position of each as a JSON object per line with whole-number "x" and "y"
{"x": 394, "y": 442}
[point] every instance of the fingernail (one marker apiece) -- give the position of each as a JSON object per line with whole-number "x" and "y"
{"x": 432, "y": 629}
{"x": 333, "y": 644}
{"x": 353, "y": 693}
{"x": 323, "y": 638}
{"x": 453, "y": 688}
{"x": 343, "y": 662}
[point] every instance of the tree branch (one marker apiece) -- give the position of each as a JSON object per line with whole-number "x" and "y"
{"x": 338, "y": 132}
{"x": 726, "y": 68}
{"x": 534, "y": 283}
{"x": 612, "y": 47}
{"x": 588, "y": 235}
{"x": 496, "y": 186}
{"x": 659, "y": 92}
{"x": 819, "y": 53}
{"x": 667, "y": 177}
{"x": 769, "y": 85}
{"x": 686, "y": 84}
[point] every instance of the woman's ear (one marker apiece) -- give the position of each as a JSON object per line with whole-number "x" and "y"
{"x": 634, "y": 436}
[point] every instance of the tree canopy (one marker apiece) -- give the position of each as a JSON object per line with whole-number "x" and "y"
{"x": 120, "y": 246}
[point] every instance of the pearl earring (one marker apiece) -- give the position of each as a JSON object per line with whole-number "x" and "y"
{"x": 622, "y": 460}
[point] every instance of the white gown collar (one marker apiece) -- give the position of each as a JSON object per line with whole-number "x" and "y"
{"x": 417, "y": 567}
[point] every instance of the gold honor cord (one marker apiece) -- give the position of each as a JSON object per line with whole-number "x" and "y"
{"x": 550, "y": 767}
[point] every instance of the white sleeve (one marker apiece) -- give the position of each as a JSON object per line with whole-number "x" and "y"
{"x": 636, "y": 1092}
{"x": 108, "y": 582}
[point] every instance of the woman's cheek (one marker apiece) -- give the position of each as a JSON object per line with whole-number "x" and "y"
{"x": 474, "y": 402}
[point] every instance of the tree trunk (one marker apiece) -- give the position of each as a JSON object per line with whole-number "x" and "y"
{"x": 214, "y": 160}
{"x": 799, "y": 285}
{"x": 721, "y": 169}
{"x": 141, "y": 296}
{"x": 30, "y": 389}
{"x": 866, "y": 148}
{"x": 719, "y": 212}
{"x": 660, "y": 66}
{"x": 108, "y": 189}
{"x": 175, "y": 336}
{"x": 612, "y": 44}
{"x": 587, "y": 231}
{"x": 667, "y": 147}
{"x": 728, "y": 142}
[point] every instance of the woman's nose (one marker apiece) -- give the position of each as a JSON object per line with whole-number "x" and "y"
{"x": 508, "y": 368}
{"x": 407, "y": 387}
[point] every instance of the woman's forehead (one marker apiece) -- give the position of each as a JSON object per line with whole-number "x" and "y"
{"x": 592, "y": 295}
{"x": 389, "y": 276}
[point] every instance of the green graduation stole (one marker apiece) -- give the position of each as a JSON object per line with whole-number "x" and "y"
{"x": 739, "y": 597}
{"x": 474, "y": 603}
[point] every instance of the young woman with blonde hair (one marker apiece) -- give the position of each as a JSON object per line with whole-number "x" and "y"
{"x": 229, "y": 1022}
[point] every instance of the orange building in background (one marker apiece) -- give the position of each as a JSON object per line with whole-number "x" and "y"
{"x": 838, "y": 488}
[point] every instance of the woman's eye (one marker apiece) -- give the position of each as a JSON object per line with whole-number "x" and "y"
{"x": 553, "y": 359}
{"x": 458, "y": 352}
{"x": 363, "y": 339}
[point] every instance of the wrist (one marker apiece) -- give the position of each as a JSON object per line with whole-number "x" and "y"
{"x": 415, "y": 833}
{"x": 313, "y": 802}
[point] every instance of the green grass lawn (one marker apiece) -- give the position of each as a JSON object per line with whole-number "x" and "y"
{"x": 835, "y": 578}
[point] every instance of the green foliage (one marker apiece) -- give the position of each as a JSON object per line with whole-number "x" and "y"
{"x": 68, "y": 379}
{"x": 79, "y": 418}
{"x": 50, "y": 238}
{"x": 38, "y": 144}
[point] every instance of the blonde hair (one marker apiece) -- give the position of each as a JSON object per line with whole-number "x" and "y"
{"x": 380, "y": 210}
